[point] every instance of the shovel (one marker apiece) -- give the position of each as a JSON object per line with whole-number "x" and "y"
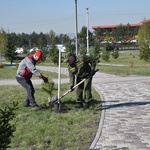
{"x": 55, "y": 101}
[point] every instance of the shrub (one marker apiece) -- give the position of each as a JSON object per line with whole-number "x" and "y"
{"x": 6, "y": 126}
{"x": 95, "y": 52}
{"x": 105, "y": 55}
{"x": 115, "y": 53}
{"x": 48, "y": 86}
{"x": 1, "y": 66}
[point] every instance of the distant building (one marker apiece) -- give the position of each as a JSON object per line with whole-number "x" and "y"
{"x": 110, "y": 27}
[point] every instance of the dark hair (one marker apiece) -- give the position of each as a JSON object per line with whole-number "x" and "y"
{"x": 71, "y": 54}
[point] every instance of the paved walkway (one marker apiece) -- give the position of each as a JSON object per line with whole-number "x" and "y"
{"x": 125, "y": 119}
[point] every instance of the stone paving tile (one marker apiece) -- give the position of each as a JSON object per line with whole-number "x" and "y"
{"x": 127, "y": 116}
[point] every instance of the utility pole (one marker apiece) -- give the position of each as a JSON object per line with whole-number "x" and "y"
{"x": 87, "y": 22}
{"x": 76, "y": 28}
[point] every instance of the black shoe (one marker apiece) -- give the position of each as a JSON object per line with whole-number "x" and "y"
{"x": 36, "y": 107}
{"x": 86, "y": 105}
{"x": 79, "y": 105}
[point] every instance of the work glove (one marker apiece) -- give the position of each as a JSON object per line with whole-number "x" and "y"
{"x": 86, "y": 75}
{"x": 45, "y": 79}
{"x": 92, "y": 73}
{"x": 71, "y": 88}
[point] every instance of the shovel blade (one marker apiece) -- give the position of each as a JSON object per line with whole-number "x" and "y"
{"x": 53, "y": 101}
{"x": 58, "y": 108}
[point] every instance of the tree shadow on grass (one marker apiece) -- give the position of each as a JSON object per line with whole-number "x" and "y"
{"x": 127, "y": 104}
{"x": 64, "y": 106}
{"x": 94, "y": 104}
{"x": 73, "y": 102}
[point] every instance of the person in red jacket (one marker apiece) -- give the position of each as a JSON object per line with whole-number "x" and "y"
{"x": 24, "y": 74}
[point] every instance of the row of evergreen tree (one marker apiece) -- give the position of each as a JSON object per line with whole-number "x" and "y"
{"x": 9, "y": 41}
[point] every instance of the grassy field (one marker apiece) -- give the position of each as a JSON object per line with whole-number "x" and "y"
{"x": 73, "y": 129}
{"x": 39, "y": 130}
{"x": 127, "y": 59}
{"x": 126, "y": 64}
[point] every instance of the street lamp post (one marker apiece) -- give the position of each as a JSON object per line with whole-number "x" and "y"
{"x": 76, "y": 28}
{"x": 87, "y": 20}
{"x": 59, "y": 73}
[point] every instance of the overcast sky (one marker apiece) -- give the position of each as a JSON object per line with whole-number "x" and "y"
{"x": 59, "y": 15}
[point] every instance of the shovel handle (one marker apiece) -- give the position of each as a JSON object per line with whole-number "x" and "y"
{"x": 83, "y": 80}
{"x": 74, "y": 87}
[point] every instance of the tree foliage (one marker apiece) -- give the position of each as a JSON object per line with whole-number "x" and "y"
{"x": 7, "y": 128}
{"x": 2, "y": 40}
{"x": 105, "y": 54}
{"x": 53, "y": 51}
{"x": 115, "y": 53}
{"x": 2, "y": 43}
{"x": 70, "y": 47}
{"x": 144, "y": 41}
{"x": 43, "y": 41}
{"x": 82, "y": 36}
{"x": 48, "y": 87}
{"x": 9, "y": 51}
{"x": 95, "y": 52}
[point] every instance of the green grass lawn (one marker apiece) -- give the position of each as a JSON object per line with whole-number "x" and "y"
{"x": 125, "y": 70}
{"x": 38, "y": 130}
{"x": 127, "y": 59}
{"x": 130, "y": 65}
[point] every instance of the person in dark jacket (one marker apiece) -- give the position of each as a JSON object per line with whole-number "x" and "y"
{"x": 80, "y": 68}
{"x": 24, "y": 74}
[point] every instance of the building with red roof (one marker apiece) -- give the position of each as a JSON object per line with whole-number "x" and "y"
{"x": 115, "y": 26}
{"x": 109, "y": 29}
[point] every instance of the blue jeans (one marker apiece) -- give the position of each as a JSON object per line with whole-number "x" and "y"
{"x": 27, "y": 84}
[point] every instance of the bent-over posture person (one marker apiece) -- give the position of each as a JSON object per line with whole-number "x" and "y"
{"x": 24, "y": 74}
{"x": 80, "y": 68}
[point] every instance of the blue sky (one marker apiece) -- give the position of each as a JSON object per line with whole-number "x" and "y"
{"x": 59, "y": 15}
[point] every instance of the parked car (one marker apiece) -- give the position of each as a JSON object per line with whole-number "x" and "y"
{"x": 19, "y": 50}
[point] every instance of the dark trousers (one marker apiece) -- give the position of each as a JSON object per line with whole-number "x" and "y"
{"x": 27, "y": 84}
{"x": 83, "y": 91}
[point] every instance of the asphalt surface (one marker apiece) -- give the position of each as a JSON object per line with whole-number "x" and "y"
{"x": 125, "y": 118}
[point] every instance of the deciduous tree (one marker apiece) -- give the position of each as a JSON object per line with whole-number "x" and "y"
{"x": 144, "y": 41}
